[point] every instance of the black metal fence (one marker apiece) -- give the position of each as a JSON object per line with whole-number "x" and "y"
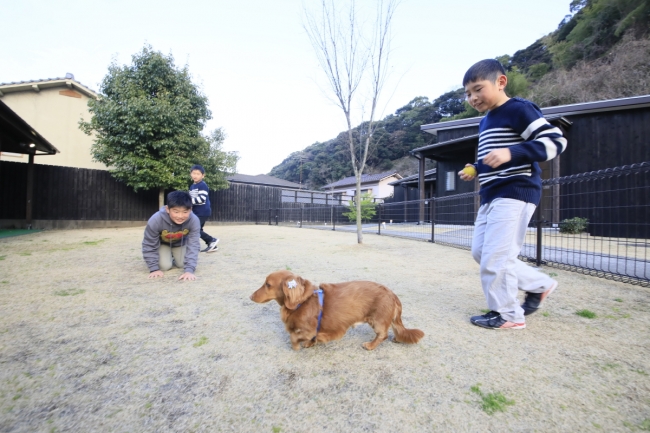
{"x": 597, "y": 223}
{"x": 609, "y": 210}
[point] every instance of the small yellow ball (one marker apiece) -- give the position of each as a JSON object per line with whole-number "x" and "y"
{"x": 470, "y": 170}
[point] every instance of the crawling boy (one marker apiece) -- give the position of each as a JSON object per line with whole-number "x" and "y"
{"x": 172, "y": 237}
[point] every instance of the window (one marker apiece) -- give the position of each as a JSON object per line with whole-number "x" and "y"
{"x": 450, "y": 184}
{"x": 12, "y": 155}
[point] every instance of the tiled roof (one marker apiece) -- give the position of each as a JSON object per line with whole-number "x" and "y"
{"x": 263, "y": 179}
{"x": 46, "y": 82}
{"x": 414, "y": 177}
{"x": 365, "y": 178}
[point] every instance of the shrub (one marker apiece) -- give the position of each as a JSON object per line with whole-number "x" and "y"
{"x": 368, "y": 208}
{"x": 574, "y": 225}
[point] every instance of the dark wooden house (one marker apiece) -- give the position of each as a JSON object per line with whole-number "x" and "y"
{"x": 601, "y": 135}
{"x": 406, "y": 189}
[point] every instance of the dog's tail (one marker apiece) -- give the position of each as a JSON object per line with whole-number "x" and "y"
{"x": 403, "y": 335}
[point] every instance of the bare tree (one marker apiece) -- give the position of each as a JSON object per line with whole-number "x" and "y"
{"x": 353, "y": 61}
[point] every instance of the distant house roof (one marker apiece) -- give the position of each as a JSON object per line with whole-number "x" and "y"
{"x": 365, "y": 178}
{"x": 556, "y": 112}
{"x": 37, "y": 85}
{"x": 263, "y": 179}
{"x": 17, "y": 136}
{"x": 429, "y": 175}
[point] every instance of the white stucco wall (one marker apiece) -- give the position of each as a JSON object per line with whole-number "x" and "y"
{"x": 379, "y": 189}
{"x": 55, "y": 114}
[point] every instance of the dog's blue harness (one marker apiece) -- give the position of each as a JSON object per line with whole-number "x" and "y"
{"x": 321, "y": 295}
{"x": 319, "y": 292}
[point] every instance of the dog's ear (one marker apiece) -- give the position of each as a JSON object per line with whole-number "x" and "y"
{"x": 294, "y": 291}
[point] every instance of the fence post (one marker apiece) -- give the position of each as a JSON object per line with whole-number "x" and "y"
{"x": 333, "y": 219}
{"x": 270, "y": 210}
{"x": 432, "y": 215}
{"x": 538, "y": 212}
{"x": 379, "y": 224}
{"x": 277, "y": 216}
{"x": 301, "y": 214}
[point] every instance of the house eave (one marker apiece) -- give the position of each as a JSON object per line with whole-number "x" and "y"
{"x": 37, "y": 86}
{"x": 557, "y": 111}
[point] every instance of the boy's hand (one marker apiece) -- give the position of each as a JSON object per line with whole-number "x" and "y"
{"x": 156, "y": 274}
{"x": 466, "y": 174}
{"x": 187, "y": 276}
{"x": 497, "y": 157}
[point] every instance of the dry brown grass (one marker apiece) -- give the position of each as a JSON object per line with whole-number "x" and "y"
{"x": 88, "y": 343}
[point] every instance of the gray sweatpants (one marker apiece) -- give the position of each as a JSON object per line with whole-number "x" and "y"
{"x": 499, "y": 234}
{"x": 165, "y": 254}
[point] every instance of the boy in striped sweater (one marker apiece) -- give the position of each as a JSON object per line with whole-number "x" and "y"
{"x": 201, "y": 205}
{"x": 513, "y": 138}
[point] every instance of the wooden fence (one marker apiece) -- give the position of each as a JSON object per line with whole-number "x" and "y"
{"x": 67, "y": 193}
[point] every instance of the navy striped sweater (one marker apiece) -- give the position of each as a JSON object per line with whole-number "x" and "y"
{"x": 200, "y": 194}
{"x": 518, "y": 125}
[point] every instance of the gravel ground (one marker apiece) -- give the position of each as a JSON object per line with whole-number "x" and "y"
{"x": 88, "y": 343}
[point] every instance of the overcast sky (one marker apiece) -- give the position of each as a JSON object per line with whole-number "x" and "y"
{"x": 253, "y": 59}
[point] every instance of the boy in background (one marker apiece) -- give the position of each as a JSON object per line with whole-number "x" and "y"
{"x": 513, "y": 137}
{"x": 201, "y": 205}
{"x": 172, "y": 237}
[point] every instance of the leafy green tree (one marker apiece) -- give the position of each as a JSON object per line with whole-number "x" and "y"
{"x": 535, "y": 72}
{"x": 597, "y": 26}
{"x": 532, "y": 55}
{"x": 367, "y": 205}
{"x": 517, "y": 83}
{"x": 218, "y": 163}
{"x": 147, "y": 126}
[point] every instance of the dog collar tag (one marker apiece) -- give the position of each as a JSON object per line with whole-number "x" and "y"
{"x": 292, "y": 284}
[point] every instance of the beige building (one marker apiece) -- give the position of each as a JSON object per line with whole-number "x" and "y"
{"x": 53, "y": 107}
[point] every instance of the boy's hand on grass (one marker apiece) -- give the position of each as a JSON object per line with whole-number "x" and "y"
{"x": 187, "y": 276}
{"x": 497, "y": 157}
{"x": 156, "y": 274}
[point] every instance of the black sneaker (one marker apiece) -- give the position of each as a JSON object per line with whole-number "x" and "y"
{"x": 493, "y": 320}
{"x": 213, "y": 246}
{"x": 534, "y": 300}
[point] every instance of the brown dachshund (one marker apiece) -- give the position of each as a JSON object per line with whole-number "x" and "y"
{"x": 310, "y": 320}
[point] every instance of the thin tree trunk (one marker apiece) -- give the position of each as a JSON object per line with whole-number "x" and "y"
{"x": 345, "y": 57}
{"x": 161, "y": 197}
{"x": 358, "y": 205}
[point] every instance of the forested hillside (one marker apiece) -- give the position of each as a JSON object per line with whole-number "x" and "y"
{"x": 600, "y": 51}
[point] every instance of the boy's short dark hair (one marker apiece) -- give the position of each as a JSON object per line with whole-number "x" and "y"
{"x": 179, "y": 199}
{"x": 488, "y": 69}
{"x": 197, "y": 167}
